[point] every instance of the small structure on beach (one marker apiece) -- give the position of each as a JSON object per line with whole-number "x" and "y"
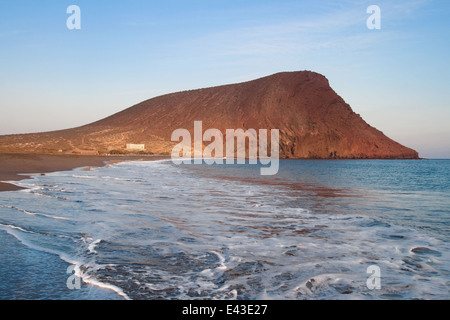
{"x": 135, "y": 147}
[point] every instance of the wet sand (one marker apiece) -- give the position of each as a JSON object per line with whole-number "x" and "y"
{"x": 16, "y": 167}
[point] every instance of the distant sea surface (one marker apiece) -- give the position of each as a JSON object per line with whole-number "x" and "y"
{"x": 154, "y": 230}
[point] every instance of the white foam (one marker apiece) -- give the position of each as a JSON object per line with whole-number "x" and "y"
{"x": 35, "y": 213}
{"x": 63, "y": 256}
{"x": 83, "y": 177}
{"x": 94, "y": 282}
{"x": 263, "y": 247}
{"x": 7, "y": 228}
{"x": 93, "y": 245}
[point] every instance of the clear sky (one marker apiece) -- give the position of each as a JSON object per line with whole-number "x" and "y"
{"x": 397, "y": 77}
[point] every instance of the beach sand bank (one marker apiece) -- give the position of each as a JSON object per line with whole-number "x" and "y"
{"x": 19, "y": 166}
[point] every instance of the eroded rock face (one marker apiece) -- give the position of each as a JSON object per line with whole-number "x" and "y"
{"x": 314, "y": 121}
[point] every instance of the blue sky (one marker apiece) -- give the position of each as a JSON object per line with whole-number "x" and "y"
{"x": 129, "y": 51}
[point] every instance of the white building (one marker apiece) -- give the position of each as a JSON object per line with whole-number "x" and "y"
{"x": 139, "y": 147}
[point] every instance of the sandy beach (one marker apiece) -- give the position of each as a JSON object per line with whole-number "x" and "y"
{"x": 16, "y": 167}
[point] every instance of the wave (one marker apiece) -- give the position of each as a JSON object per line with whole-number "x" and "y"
{"x": 35, "y": 213}
{"x": 85, "y": 275}
{"x": 154, "y": 230}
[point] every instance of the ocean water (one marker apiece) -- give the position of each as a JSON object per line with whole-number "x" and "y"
{"x": 154, "y": 230}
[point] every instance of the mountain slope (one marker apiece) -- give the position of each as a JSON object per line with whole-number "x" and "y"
{"x": 314, "y": 122}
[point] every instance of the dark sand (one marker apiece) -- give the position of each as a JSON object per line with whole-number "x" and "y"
{"x": 15, "y": 166}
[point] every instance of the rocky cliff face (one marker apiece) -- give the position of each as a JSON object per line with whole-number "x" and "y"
{"x": 314, "y": 121}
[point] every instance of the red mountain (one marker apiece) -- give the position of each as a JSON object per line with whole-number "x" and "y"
{"x": 314, "y": 121}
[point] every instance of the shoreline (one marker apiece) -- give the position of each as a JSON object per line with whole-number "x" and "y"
{"x": 21, "y": 166}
